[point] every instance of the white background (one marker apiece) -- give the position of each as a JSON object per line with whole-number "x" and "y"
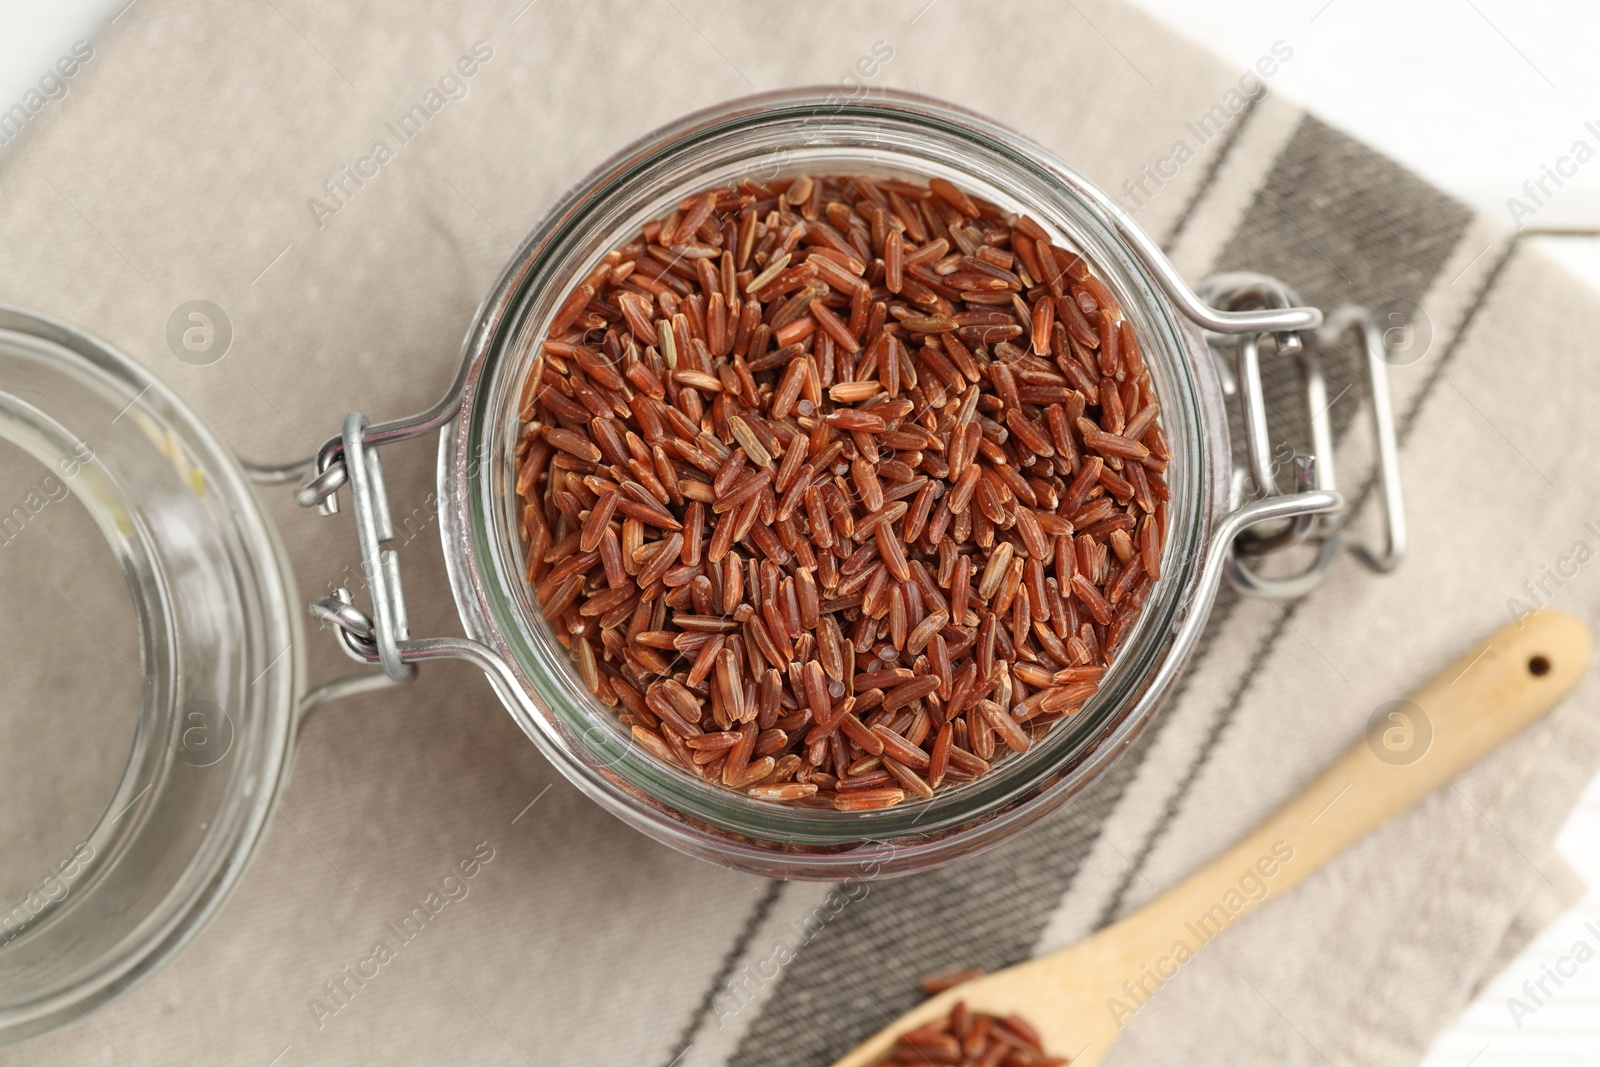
{"x": 1478, "y": 96}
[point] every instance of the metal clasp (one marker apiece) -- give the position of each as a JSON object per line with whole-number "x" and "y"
{"x": 383, "y": 637}
{"x": 352, "y": 459}
{"x": 1256, "y": 477}
{"x": 386, "y": 629}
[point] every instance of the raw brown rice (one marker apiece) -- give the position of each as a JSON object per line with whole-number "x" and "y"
{"x": 839, "y": 487}
{"x": 972, "y": 1038}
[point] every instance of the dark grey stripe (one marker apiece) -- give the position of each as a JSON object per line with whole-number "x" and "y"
{"x": 1341, "y": 224}
{"x": 752, "y": 922}
{"x": 1209, "y": 178}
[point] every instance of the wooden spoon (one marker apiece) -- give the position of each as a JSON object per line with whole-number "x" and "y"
{"x": 1080, "y": 997}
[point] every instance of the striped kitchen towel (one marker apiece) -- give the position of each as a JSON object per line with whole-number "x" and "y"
{"x": 231, "y": 153}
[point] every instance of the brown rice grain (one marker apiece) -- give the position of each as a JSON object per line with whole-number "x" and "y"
{"x": 812, "y": 515}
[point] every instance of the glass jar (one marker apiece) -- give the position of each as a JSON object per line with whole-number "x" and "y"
{"x": 766, "y": 137}
{"x": 213, "y": 585}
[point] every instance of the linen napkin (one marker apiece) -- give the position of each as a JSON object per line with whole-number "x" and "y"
{"x": 202, "y": 153}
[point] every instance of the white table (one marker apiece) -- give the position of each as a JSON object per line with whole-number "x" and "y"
{"x": 1477, "y": 96}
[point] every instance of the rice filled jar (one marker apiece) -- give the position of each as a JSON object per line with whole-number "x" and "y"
{"x": 524, "y": 555}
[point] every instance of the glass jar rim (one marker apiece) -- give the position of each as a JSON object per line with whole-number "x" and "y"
{"x": 786, "y": 131}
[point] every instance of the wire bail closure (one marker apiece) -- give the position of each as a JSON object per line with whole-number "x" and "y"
{"x": 382, "y": 638}
{"x": 1257, "y": 476}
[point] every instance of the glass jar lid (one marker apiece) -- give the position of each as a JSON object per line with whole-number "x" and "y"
{"x": 153, "y": 673}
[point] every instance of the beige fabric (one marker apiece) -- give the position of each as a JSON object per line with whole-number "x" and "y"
{"x": 1462, "y": 865}
{"x": 179, "y": 167}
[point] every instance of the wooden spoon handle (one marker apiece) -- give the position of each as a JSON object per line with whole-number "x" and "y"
{"x": 1410, "y": 748}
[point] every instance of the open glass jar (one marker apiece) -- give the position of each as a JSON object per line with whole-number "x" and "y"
{"x": 1213, "y": 525}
